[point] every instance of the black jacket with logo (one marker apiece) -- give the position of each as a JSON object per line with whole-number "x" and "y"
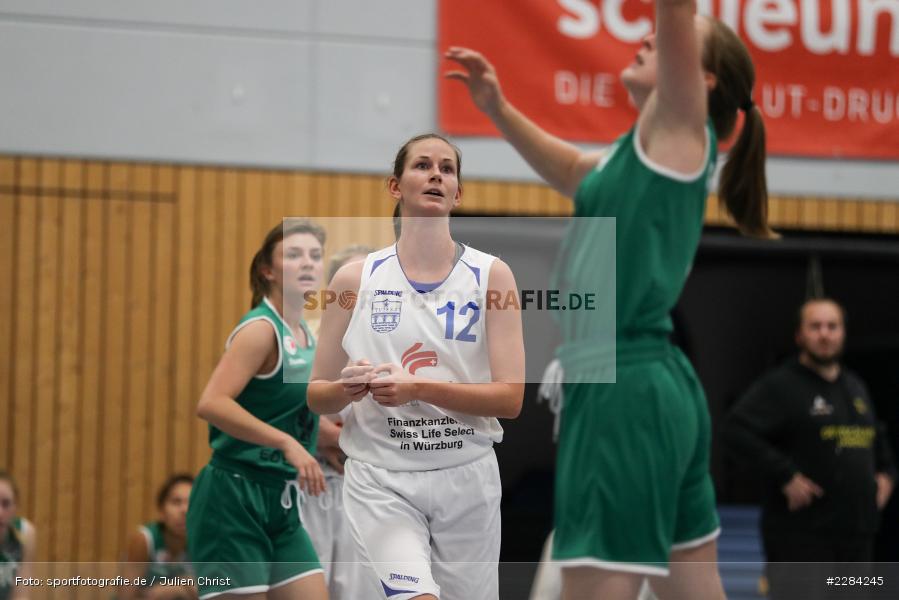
{"x": 792, "y": 420}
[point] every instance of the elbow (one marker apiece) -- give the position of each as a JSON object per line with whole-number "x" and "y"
{"x": 513, "y": 406}
{"x": 513, "y": 411}
{"x": 203, "y": 408}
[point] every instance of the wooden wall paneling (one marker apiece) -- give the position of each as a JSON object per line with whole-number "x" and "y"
{"x": 185, "y": 283}
{"x": 553, "y": 203}
{"x": 256, "y": 223}
{"x": 850, "y": 215}
{"x": 238, "y": 249}
{"x": 830, "y": 216}
{"x": 116, "y": 357}
{"x": 207, "y": 299}
{"x": 869, "y": 215}
{"x": 495, "y": 198}
{"x": 531, "y": 198}
{"x": 712, "y": 209}
{"x": 275, "y": 196}
{"x": 382, "y": 202}
{"x": 354, "y": 207}
{"x": 775, "y": 212}
{"x": 299, "y": 195}
{"x": 229, "y": 255}
{"x": 524, "y": 200}
{"x": 341, "y": 201}
{"x": 474, "y": 198}
{"x": 163, "y": 282}
{"x": 367, "y": 196}
{"x": 810, "y": 214}
{"x": 791, "y": 212}
{"x": 47, "y": 348}
{"x": 360, "y": 207}
{"x": 25, "y": 333}
{"x": 89, "y": 510}
{"x": 8, "y": 298}
{"x": 372, "y": 221}
{"x": 137, "y": 401}
{"x": 889, "y": 216}
{"x": 68, "y": 400}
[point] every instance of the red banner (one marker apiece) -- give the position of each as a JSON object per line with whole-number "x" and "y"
{"x": 827, "y": 71}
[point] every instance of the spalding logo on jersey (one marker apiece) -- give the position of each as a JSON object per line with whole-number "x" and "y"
{"x": 414, "y": 360}
{"x": 290, "y": 345}
{"x": 385, "y": 314}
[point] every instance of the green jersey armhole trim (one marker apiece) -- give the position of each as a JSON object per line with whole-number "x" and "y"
{"x": 148, "y": 537}
{"x": 277, "y": 343}
{"x": 671, "y": 173}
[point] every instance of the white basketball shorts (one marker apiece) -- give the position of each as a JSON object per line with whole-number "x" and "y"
{"x": 428, "y": 532}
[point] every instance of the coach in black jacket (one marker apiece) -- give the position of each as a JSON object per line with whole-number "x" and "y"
{"x": 809, "y": 425}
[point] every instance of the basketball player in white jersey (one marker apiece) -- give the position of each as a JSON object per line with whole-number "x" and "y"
{"x": 436, "y": 355}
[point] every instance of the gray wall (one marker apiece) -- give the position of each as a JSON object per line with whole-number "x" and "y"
{"x": 313, "y": 84}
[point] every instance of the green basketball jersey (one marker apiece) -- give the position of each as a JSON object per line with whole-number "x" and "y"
{"x": 161, "y": 561}
{"x": 11, "y": 553}
{"x": 658, "y": 220}
{"x": 278, "y": 398}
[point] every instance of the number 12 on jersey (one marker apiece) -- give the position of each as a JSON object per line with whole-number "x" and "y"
{"x": 449, "y": 309}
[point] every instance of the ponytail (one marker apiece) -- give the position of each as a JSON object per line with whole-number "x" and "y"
{"x": 743, "y": 186}
{"x": 258, "y": 283}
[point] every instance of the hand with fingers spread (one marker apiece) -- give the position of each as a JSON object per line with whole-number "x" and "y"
{"x": 392, "y": 386}
{"x": 309, "y": 472}
{"x": 801, "y": 491}
{"x": 355, "y": 378}
{"x": 480, "y": 77}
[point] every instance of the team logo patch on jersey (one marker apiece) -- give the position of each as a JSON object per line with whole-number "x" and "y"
{"x": 290, "y": 345}
{"x": 385, "y": 314}
{"x": 413, "y": 360}
{"x": 860, "y": 406}
{"x": 820, "y": 407}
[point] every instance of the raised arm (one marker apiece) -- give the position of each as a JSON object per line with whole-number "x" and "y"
{"x": 560, "y": 164}
{"x": 681, "y": 88}
{"x": 672, "y": 123}
{"x": 333, "y": 384}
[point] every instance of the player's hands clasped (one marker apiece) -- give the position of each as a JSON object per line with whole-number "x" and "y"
{"x": 480, "y": 77}
{"x": 392, "y": 386}
{"x": 355, "y": 378}
{"x": 309, "y": 472}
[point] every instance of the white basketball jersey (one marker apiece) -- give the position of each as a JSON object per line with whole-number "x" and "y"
{"x": 438, "y": 335}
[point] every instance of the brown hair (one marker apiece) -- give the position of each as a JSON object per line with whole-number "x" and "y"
{"x": 399, "y": 165}
{"x": 170, "y": 484}
{"x": 742, "y": 186}
{"x": 259, "y": 285}
{"x": 342, "y": 256}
